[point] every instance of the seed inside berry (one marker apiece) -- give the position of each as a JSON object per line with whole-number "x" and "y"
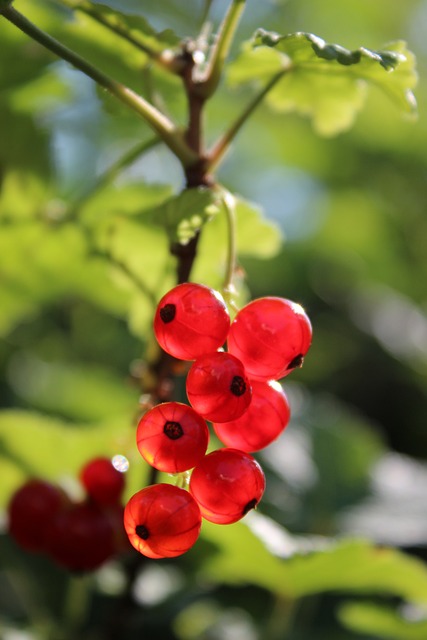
{"x": 142, "y": 532}
{"x": 173, "y": 430}
{"x": 167, "y": 313}
{"x": 251, "y": 505}
{"x": 238, "y": 386}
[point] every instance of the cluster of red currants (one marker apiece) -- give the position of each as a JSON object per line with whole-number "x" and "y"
{"x": 79, "y": 536}
{"x": 236, "y": 390}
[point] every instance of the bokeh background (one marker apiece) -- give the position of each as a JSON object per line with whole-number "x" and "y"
{"x": 346, "y": 237}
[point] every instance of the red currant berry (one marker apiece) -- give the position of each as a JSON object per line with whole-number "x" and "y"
{"x": 191, "y": 320}
{"x": 103, "y": 483}
{"x": 162, "y": 521}
{"x": 172, "y": 437}
{"x": 266, "y": 418}
{"x": 218, "y": 388}
{"x": 31, "y": 511}
{"x": 227, "y": 484}
{"x": 271, "y": 337}
{"x": 81, "y": 538}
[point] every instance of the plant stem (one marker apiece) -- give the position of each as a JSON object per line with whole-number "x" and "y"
{"x": 207, "y": 84}
{"x": 229, "y": 204}
{"x": 166, "y": 129}
{"x": 220, "y": 148}
{"x": 164, "y": 58}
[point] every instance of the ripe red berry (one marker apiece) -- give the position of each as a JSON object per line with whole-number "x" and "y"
{"x": 227, "y": 484}
{"x": 103, "y": 483}
{"x": 271, "y": 337}
{"x": 31, "y": 511}
{"x": 266, "y": 418}
{"x": 162, "y": 521}
{"x": 218, "y": 388}
{"x": 191, "y": 320}
{"x": 81, "y": 538}
{"x": 172, "y": 437}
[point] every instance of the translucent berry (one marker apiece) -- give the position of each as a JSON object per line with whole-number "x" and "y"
{"x": 271, "y": 337}
{"x": 172, "y": 437}
{"x": 103, "y": 483}
{"x": 218, "y": 388}
{"x": 266, "y": 418}
{"x": 31, "y": 511}
{"x": 162, "y": 521}
{"x": 227, "y": 484}
{"x": 191, "y": 320}
{"x": 81, "y": 538}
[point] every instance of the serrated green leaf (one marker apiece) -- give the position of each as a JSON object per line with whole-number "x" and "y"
{"x": 325, "y": 82}
{"x": 183, "y": 215}
{"x": 354, "y": 566}
{"x": 382, "y": 622}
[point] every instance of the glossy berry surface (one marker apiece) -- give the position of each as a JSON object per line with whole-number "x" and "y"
{"x": 266, "y": 418}
{"x": 103, "y": 483}
{"x": 81, "y": 538}
{"x": 191, "y": 320}
{"x": 172, "y": 437}
{"x": 31, "y": 511}
{"x": 162, "y": 521}
{"x": 226, "y": 485}
{"x": 218, "y": 388}
{"x": 271, "y": 337}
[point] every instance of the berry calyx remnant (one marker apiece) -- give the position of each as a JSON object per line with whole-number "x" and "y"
{"x": 162, "y": 521}
{"x": 218, "y": 387}
{"x": 227, "y": 484}
{"x": 191, "y": 320}
{"x": 270, "y": 336}
{"x": 172, "y": 437}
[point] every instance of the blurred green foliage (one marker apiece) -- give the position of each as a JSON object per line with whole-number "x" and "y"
{"x": 337, "y": 223}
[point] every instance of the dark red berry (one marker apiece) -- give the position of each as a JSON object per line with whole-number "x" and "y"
{"x": 172, "y": 437}
{"x": 218, "y": 388}
{"x": 227, "y": 484}
{"x": 266, "y": 418}
{"x": 271, "y": 337}
{"x": 162, "y": 521}
{"x": 31, "y": 511}
{"x": 82, "y": 537}
{"x": 191, "y": 320}
{"x": 103, "y": 483}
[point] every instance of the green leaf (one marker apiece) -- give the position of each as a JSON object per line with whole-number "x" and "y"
{"x": 382, "y": 622}
{"x": 325, "y": 82}
{"x": 240, "y": 556}
{"x": 185, "y": 214}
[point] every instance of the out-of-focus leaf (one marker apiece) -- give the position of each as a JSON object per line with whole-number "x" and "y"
{"x": 81, "y": 393}
{"x": 325, "y": 81}
{"x": 353, "y": 566}
{"x": 382, "y": 622}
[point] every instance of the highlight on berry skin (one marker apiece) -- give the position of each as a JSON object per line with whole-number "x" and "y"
{"x": 162, "y": 521}
{"x": 265, "y": 419}
{"x": 172, "y": 437}
{"x": 218, "y": 387}
{"x": 191, "y": 320}
{"x": 226, "y": 485}
{"x": 271, "y": 337}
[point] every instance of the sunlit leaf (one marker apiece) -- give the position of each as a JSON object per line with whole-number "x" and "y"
{"x": 383, "y": 622}
{"x": 325, "y": 82}
{"x": 241, "y": 557}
